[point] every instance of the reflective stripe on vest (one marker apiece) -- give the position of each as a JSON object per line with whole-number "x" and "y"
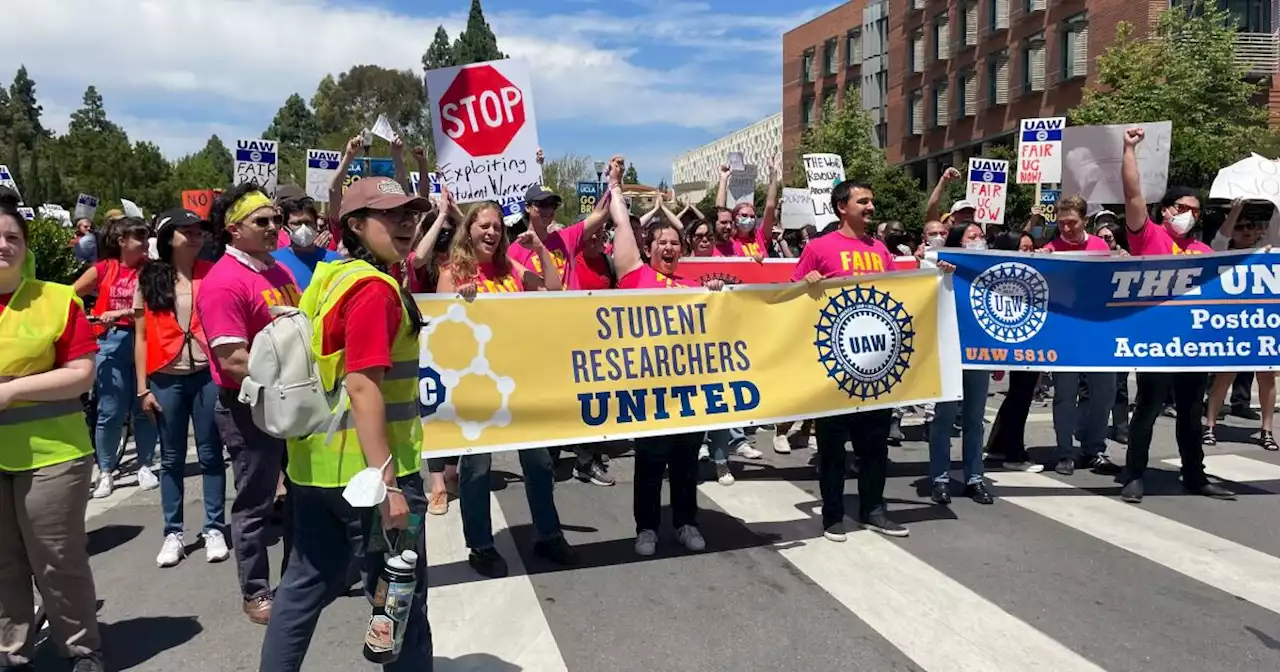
{"x": 316, "y": 463}
{"x": 37, "y": 434}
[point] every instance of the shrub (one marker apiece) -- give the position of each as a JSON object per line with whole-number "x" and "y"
{"x": 50, "y": 242}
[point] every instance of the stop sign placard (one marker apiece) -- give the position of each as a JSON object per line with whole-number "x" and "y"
{"x": 482, "y": 111}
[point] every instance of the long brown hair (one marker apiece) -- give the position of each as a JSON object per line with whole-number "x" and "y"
{"x": 462, "y": 251}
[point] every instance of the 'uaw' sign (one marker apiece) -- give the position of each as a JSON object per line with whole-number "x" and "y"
{"x": 1203, "y": 312}
{"x": 256, "y": 162}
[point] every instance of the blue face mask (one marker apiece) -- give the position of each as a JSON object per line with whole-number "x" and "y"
{"x": 746, "y": 223}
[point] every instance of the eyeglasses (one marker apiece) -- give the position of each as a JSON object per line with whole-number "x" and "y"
{"x": 266, "y": 220}
{"x": 399, "y": 216}
{"x": 701, "y": 236}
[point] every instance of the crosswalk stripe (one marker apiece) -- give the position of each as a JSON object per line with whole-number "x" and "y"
{"x": 933, "y": 619}
{"x": 495, "y": 617}
{"x": 1239, "y": 469}
{"x": 1230, "y": 567}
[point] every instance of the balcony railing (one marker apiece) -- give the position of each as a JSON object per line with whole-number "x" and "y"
{"x": 1258, "y": 53}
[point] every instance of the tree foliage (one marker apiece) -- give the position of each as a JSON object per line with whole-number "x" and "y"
{"x": 631, "y": 176}
{"x": 1019, "y": 198}
{"x": 50, "y": 243}
{"x": 562, "y": 176}
{"x": 294, "y": 126}
{"x": 477, "y": 43}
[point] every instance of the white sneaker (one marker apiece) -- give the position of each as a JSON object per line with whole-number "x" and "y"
{"x": 215, "y": 546}
{"x": 703, "y": 453}
{"x": 745, "y": 451}
{"x": 173, "y": 550}
{"x": 723, "y": 475}
{"x": 1028, "y": 467}
{"x": 146, "y": 479}
{"x": 782, "y": 444}
{"x": 691, "y": 538}
{"x": 646, "y": 543}
{"x": 105, "y": 487}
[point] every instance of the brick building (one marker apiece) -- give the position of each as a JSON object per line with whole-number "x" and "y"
{"x": 944, "y": 78}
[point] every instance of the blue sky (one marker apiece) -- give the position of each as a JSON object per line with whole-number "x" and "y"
{"x": 648, "y": 79}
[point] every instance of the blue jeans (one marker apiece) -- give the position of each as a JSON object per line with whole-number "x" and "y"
{"x": 721, "y": 440}
{"x": 190, "y": 400}
{"x": 118, "y": 398}
{"x": 318, "y": 574}
{"x": 473, "y": 496}
{"x": 1091, "y": 416}
{"x": 973, "y": 410}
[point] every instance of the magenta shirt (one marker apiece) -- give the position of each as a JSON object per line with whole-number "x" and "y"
{"x": 1153, "y": 239}
{"x": 836, "y": 255}
{"x": 647, "y": 278}
{"x": 235, "y": 304}
{"x": 1090, "y": 244}
{"x": 564, "y": 246}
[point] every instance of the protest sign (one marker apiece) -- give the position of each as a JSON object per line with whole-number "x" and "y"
{"x": 1201, "y": 312}
{"x": 588, "y": 194}
{"x": 486, "y": 134}
{"x": 797, "y": 208}
{"x": 1049, "y": 204}
{"x": 322, "y": 165}
{"x": 382, "y": 129}
{"x": 368, "y": 167}
{"x": 823, "y": 172}
{"x": 1091, "y": 161}
{"x": 256, "y": 162}
{"x": 28, "y": 214}
{"x": 623, "y": 364}
{"x": 742, "y": 186}
{"x": 736, "y": 163}
{"x": 1256, "y": 178}
{"x": 988, "y": 189}
{"x": 6, "y": 180}
{"x": 199, "y": 201}
{"x": 57, "y": 213}
{"x": 130, "y": 208}
{"x": 738, "y": 270}
{"x": 1040, "y": 150}
{"x": 86, "y": 205}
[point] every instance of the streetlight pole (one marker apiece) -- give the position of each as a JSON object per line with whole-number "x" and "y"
{"x": 599, "y": 179}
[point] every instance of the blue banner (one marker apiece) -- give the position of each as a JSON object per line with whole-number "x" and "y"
{"x": 1045, "y": 312}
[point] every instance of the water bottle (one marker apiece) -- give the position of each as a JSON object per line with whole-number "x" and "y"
{"x": 391, "y": 602}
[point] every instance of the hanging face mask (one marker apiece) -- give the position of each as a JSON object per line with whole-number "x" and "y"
{"x": 366, "y": 490}
{"x": 976, "y": 245}
{"x": 746, "y": 223}
{"x": 936, "y": 242}
{"x": 303, "y": 236}
{"x": 1182, "y": 222}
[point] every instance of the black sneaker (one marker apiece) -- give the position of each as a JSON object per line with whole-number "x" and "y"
{"x": 896, "y": 437}
{"x": 1132, "y": 492}
{"x": 878, "y": 521}
{"x": 1066, "y": 466}
{"x": 1120, "y": 436}
{"x": 835, "y": 532}
{"x": 1101, "y": 464}
{"x": 1210, "y": 490}
{"x": 978, "y": 492}
{"x": 594, "y": 474}
{"x": 88, "y": 663}
{"x": 1245, "y": 412}
{"x": 556, "y": 550}
{"x": 488, "y": 563}
{"x": 940, "y": 495}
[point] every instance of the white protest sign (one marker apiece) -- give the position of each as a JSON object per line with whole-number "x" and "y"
{"x": 86, "y": 205}
{"x": 823, "y": 172}
{"x": 130, "y": 208}
{"x": 322, "y": 166}
{"x": 1040, "y": 150}
{"x": 1091, "y": 161}
{"x": 797, "y": 208}
{"x": 6, "y": 180}
{"x": 988, "y": 189}
{"x": 57, "y": 213}
{"x": 742, "y": 186}
{"x": 485, "y": 130}
{"x": 415, "y": 181}
{"x": 736, "y": 162}
{"x": 28, "y": 214}
{"x": 1256, "y": 178}
{"x": 256, "y": 162}
{"x": 382, "y": 129}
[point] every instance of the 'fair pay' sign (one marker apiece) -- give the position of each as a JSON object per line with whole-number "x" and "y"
{"x": 988, "y": 188}
{"x": 1040, "y": 150}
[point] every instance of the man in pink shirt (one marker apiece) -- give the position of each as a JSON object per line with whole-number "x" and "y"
{"x": 847, "y": 251}
{"x": 1175, "y": 234}
{"x": 234, "y": 304}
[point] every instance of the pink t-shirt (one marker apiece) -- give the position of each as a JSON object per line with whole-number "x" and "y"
{"x": 647, "y": 278}
{"x": 489, "y": 282}
{"x": 1153, "y": 239}
{"x": 564, "y": 246}
{"x": 836, "y": 255}
{"x": 1090, "y": 244}
{"x": 750, "y": 247}
{"x": 235, "y": 304}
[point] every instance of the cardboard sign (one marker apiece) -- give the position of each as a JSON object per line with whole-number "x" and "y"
{"x": 199, "y": 201}
{"x": 86, "y": 205}
{"x": 322, "y": 166}
{"x": 823, "y": 172}
{"x": 1256, "y": 178}
{"x": 485, "y": 130}
{"x": 797, "y": 208}
{"x": 256, "y": 161}
{"x": 988, "y": 189}
{"x": 1040, "y": 150}
{"x": 6, "y": 180}
{"x": 742, "y": 186}
{"x": 1091, "y": 161}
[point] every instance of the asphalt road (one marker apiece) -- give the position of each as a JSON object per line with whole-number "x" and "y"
{"x": 1058, "y": 575}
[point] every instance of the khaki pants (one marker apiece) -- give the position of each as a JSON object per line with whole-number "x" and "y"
{"x": 42, "y": 536}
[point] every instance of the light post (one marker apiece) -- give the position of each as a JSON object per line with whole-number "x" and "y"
{"x": 367, "y": 140}
{"x": 599, "y": 178}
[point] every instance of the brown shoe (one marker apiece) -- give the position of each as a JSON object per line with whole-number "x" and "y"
{"x": 258, "y": 609}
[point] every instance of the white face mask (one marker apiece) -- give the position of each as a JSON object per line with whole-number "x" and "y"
{"x": 976, "y": 245}
{"x": 1182, "y": 222}
{"x": 936, "y": 242}
{"x": 303, "y": 236}
{"x": 366, "y": 490}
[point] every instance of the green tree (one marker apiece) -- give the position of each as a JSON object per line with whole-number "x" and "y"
{"x": 294, "y": 126}
{"x": 477, "y": 43}
{"x": 94, "y": 152}
{"x": 50, "y": 244}
{"x": 562, "y": 176}
{"x": 631, "y": 177}
{"x": 440, "y": 54}
{"x": 147, "y": 179}
{"x": 26, "y": 133}
{"x": 1186, "y": 72}
{"x": 352, "y": 102}
{"x": 219, "y": 158}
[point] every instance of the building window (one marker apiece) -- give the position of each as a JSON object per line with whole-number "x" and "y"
{"x": 830, "y": 56}
{"x": 806, "y": 110}
{"x": 968, "y": 83}
{"x": 808, "y": 65}
{"x": 941, "y": 103}
{"x": 882, "y": 135}
{"x": 915, "y": 123}
{"x": 1033, "y": 64}
{"x": 829, "y": 98}
{"x": 999, "y": 18}
{"x": 998, "y": 78}
{"x": 1075, "y": 47}
{"x": 1030, "y": 6}
{"x": 855, "y": 47}
{"x": 917, "y": 52}
{"x": 969, "y": 26}
{"x": 852, "y": 92}
{"x": 918, "y": 4}
{"x": 941, "y": 38}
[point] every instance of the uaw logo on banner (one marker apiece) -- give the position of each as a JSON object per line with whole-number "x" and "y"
{"x": 864, "y": 339}
{"x": 1010, "y": 301}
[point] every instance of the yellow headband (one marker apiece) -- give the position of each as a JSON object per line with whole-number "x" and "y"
{"x": 246, "y": 205}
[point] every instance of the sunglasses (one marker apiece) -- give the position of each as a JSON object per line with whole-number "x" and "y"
{"x": 266, "y": 221}
{"x": 1183, "y": 207}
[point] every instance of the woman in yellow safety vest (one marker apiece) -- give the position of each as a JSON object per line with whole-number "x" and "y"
{"x": 46, "y": 362}
{"x": 365, "y": 339}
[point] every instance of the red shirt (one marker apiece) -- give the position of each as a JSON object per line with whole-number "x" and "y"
{"x": 77, "y": 338}
{"x": 126, "y": 282}
{"x": 364, "y": 322}
{"x": 592, "y": 273}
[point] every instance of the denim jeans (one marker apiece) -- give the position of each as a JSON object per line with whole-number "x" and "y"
{"x": 117, "y": 386}
{"x": 184, "y": 400}
{"x": 972, "y": 409}
{"x": 473, "y": 496}
{"x": 1091, "y": 415}
{"x": 317, "y": 575}
{"x": 721, "y": 441}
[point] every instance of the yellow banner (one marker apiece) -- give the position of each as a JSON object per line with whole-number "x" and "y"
{"x": 511, "y": 371}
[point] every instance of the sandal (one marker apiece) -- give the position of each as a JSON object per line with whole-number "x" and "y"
{"x": 1208, "y": 437}
{"x": 1268, "y": 441}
